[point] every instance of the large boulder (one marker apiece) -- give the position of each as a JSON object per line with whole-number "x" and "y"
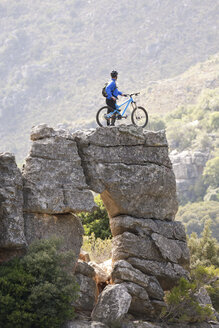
{"x": 168, "y": 274}
{"x": 131, "y": 169}
{"x": 67, "y": 227}
{"x": 12, "y": 238}
{"x": 88, "y": 292}
{"x": 113, "y": 303}
{"x": 54, "y": 181}
{"x": 124, "y": 271}
{"x": 85, "y": 324}
{"x": 142, "y": 227}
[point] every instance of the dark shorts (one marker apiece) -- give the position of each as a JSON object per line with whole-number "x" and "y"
{"x": 112, "y": 104}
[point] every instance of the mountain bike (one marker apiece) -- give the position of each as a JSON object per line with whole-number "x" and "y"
{"x": 139, "y": 115}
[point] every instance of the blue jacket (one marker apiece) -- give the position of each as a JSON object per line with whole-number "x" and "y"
{"x": 112, "y": 89}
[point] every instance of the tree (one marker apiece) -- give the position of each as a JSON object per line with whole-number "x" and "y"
{"x": 38, "y": 290}
{"x": 182, "y": 305}
{"x": 211, "y": 172}
{"x": 97, "y": 222}
{"x": 194, "y": 216}
{"x": 205, "y": 250}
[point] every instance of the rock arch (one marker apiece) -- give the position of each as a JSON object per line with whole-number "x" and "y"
{"x": 131, "y": 170}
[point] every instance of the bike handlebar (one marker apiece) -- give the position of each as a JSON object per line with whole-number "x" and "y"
{"x": 131, "y": 94}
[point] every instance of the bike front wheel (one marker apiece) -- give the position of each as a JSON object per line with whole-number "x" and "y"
{"x": 101, "y": 116}
{"x": 139, "y": 117}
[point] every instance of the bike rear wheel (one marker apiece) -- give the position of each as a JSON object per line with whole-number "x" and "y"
{"x": 139, "y": 117}
{"x": 101, "y": 117}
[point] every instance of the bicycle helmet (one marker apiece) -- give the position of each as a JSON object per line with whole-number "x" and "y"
{"x": 114, "y": 74}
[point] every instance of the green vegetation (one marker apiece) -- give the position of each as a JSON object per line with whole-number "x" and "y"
{"x": 194, "y": 216}
{"x": 195, "y": 126}
{"x": 182, "y": 305}
{"x": 97, "y": 240}
{"x": 166, "y": 95}
{"x": 37, "y": 290}
{"x": 99, "y": 250}
{"x": 211, "y": 172}
{"x": 208, "y": 277}
{"x": 96, "y": 222}
{"x": 204, "y": 250}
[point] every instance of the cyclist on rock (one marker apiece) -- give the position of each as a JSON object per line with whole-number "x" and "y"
{"x": 112, "y": 94}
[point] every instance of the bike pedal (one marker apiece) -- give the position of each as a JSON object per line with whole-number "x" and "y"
{"x": 125, "y": 116}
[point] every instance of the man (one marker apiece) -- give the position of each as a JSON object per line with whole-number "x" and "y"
{"x": 112, "y": 94}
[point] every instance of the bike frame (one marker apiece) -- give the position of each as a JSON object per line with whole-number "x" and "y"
{"x": 128, "y": 102}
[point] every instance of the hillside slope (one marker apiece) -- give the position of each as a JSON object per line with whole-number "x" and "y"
{"x": 166, "y": 95}
{"x": 55, "y": 58}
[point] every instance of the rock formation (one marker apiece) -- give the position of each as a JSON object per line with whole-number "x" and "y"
{"x": 88, "y": 293}
{"x": 188, "y": 167}
{"x": 54, "y": 188}
{"x": 131, "y": 170}
{"x": 12, "y": 239}
{"x": 133, "y": 173}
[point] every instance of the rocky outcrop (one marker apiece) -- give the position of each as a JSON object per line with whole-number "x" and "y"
{"x": 131, "y": 170}
{"x": 54, "y": 181}
{"x": 12, "y": 239}
{"x": 113, "y": 303}
{"x": 88, "y": 292}
{"x": 67, "y": 227}
{"x": 188, "y": 167}
{"x": 54, "y": 188}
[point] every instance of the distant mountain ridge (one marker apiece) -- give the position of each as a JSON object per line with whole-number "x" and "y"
{"x": 166, "y": 95}
{"x": 54, "y": 58}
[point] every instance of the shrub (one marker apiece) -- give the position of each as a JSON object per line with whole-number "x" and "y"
{"x": 211, "y": 172}
{"x": 96, "y": 222}
{"x": 156, "y": 123}
{"x": 98, "y": 249}
{"x": 182, "y": 305}
{"x": 204, "y": 250}
{"x": 38, "y": 289}
{"x": 214, "y": 121}
{"x": 194, "y": 216}
{"x": 208, "y": 277}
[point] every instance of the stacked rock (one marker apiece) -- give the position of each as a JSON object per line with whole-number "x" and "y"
{"x": 131, "y": 170}
{"x": 12, "y": 239}
{"x": 54, "y": 188}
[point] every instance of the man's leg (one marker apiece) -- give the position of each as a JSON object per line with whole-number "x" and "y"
{"x": 111, "y": 107}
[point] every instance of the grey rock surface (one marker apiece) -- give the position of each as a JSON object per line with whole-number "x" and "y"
{"x": 85, "y": 324}
{"x": 168, "y": 274}
{"x": 188, "y": 167}
{"x": 125, "y": 161}
{"x": 85, "y": 269}
{"x": 172, "y": 250}
{"x": 87, "y": 294}
{"x": 11, "y": 205}
{"x": 140, "y": 304}
{"x": 122, "y": 136}
{"x": 125, "y": 272}
{"x": 129, "y": 245}
{"x": 123, "y": 223}
{"x": 113, "y": 303}
{"x": 66, "y": 226}
{"x": 100, "y": 274}
{"x": 54, "y": 180}
{"x": 85, "y": 277}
